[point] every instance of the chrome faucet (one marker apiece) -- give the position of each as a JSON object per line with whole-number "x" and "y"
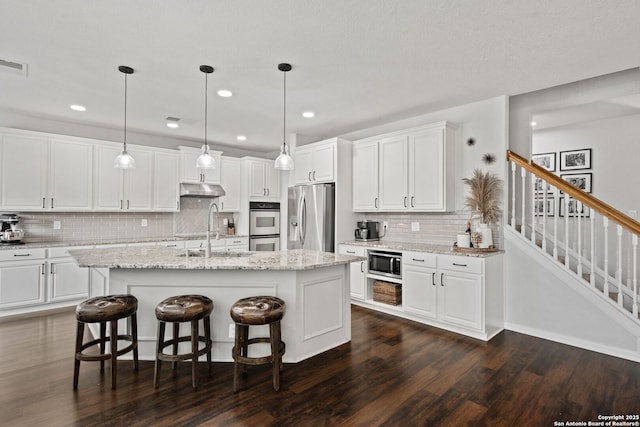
{"x": 208, "y": 248}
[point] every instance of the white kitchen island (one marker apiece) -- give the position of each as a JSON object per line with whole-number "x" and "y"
{"x": 314, "y": 286}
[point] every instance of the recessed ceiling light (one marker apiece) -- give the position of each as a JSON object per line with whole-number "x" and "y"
{"x": 225, "y": 93}
{"x": 241, "y": 138}
{"x": 533, "y": 123}
{"x": 77, "y": 107}
{"x": 172, "y": 125}
{"x": 308, "y": 114}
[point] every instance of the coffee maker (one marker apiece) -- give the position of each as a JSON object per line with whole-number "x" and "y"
{"x": 367, "y": 231}
{"x": 10, "y": 234}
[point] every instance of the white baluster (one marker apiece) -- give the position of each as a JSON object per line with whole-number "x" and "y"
{"x": 545, "y": 188}
{"x": 619, "y": 267}
{"x": 566, "y": 231}
{"x": 533, "y": 208}
{"x": 579, "y": 208}
{"x": 555, "y": 224}
{"x": 592, "y": 239}
{"x": 605, "y": 224}
{"x": 513, "y": 194}
{"x": 523, "y": 175}
{"x": 634, "y": 242}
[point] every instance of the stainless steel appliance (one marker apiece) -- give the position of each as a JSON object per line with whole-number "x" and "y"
{"x": 367, "y": 231}
{"x": 10, "y": 234}
{"x": 312, "y": 217}
{"x": 387, "y": 264}
{"x": 264, "y": 226}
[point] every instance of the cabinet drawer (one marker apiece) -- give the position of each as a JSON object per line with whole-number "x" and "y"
{"x": 64, "y": 251}
{"x": 460, "y": 263}
{"x": 233, "y": 241}
{"x": 22, "y": 254}
{"x": 352, "y": 250}
{"x": 422, "y": 259}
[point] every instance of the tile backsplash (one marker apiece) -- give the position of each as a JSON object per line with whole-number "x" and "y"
{"x": 437, "y": 229}
{"x": 100, "y": 227}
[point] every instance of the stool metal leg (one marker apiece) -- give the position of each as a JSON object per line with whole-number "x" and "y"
{"x": 114, "y": 352}
{"x": 76, "y": 365}
{"x": 194, "y": 353}
{"x": 156, "y": 375}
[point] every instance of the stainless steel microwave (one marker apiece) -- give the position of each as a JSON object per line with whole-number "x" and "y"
{"x": 386, "y": 264}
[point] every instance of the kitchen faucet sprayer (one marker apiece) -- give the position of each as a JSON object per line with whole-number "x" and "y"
{"x": 208, "y": 248}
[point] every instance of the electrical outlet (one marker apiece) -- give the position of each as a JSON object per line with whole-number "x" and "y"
{"x": 232, "y": 330}
{"x": 225, "y": 221}
{"x": 415, "y": 226}
{"x": 385, "y": 224}
{"x": 144, "y": 223}
{"x": 56, "y": 225}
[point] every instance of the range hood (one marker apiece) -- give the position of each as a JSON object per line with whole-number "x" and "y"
{"x": 201, "y": 190}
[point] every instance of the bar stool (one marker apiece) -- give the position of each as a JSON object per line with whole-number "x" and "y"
{"x": 101, "y": 310}
{"x": 178, "y": 309}
{"x": 253, "y": 311}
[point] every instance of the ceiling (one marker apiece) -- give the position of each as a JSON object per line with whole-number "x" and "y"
{"x": 356, "y": 63}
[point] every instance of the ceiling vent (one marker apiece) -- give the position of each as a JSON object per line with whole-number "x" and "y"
{"x": 12, "y": 67}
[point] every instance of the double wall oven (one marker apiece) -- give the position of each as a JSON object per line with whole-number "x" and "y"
{"x": 264, "y": 226}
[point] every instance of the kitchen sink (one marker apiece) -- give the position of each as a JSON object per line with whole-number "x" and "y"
{"x": 200, "y": 253}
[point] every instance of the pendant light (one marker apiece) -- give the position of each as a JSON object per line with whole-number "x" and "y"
{"x": 205, "y": 160}
{"x": 124, "y": 159}
{"x": 284, "y": 160}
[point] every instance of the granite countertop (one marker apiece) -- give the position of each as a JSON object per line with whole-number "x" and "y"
{"x": 419, "y": 247}
{"x": 170, "y": 258}
{"x": 177, "y": 238}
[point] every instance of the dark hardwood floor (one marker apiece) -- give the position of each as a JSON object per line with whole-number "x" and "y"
{"x": 393, "y": 373}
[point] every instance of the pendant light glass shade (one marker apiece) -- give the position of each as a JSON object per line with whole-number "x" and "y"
{"x": 124, "y": 159}
{"x": 206, "y": 160}
{"x": 284, "y": 161}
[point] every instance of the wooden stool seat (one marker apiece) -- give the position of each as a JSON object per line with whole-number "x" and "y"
{"x": 253, "y": 311}
{"x": 110, "y": 308}
{"x": 176, "y": 310}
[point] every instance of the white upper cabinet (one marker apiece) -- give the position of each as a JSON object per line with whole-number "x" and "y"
{"x": 190, "y": 173}
{"x": 166, "y": 174}
{"x": 123, "y": 190}
{"x": 315, "y": 163}
{"x": 71, "y": 176}
{"x": 231, "y": 180}
{"x": 264, "y": 179}
{"x": 24, "y": 163}
{"x": 414, "y": 170}
{"x": 365, "y": 176}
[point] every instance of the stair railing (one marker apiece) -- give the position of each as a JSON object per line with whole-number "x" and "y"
{"x": 582, "y": 240}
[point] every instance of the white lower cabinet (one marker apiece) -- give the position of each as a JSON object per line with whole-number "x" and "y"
{"x": 67, "y": 281}
{"x": 22, "y": 278}
{"x": 462, "y": 294}
{"x": 358, "y": 271}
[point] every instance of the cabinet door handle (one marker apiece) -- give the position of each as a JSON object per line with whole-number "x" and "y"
{"x": 127, "y": 204}
{"x": 375, "y": 203}
{"x": 309, "y": 175}
{"x": 43, "y": 269}
{"x": 21, "y": 254}
{"x": 222, "y": 206}
{"x": 441, "y": 279}
{"x": 405, "y": 201}
{"x": 178, "y": 205}
{"x": 459, "y": 265}
{"x": 433, "y": 279}
{"x": 120, "y": 204}
{"x": 52, "y": 203}
{"x": 361, "y": 266}
{"x": 418, "y": 260}
{"x": 264, "y": 191}
{"x": 314, "y": 175}
{"x": 268, "y": 191}
{"x": 412, "y": 201}
{"x": 43, "y": 199}
{"x": 237, "y": 241}
{"x": 51, "y": 268}
{"x": 351, "y": 252}
{"x": 171, "y": 246}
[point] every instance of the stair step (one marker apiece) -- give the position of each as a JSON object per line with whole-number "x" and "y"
{"x": 627, "y": 301}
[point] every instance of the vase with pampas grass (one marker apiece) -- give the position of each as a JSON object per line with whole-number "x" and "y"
{"x": 484, "y": 200}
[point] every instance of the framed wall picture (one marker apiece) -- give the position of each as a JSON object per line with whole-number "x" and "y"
{"x": 545, "y": 160}
{"x": 547, "y": 209}
{"x": 582, "y": 181}
{"x": 575, "y": 159}
{"x": 540, "y": 186}
{"x": 575, "y": 209}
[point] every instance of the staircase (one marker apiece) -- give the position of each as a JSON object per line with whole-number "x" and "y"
{"x": 589, "y": 239}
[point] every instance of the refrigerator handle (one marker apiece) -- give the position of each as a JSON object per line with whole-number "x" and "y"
{"x": 303, "y": 220}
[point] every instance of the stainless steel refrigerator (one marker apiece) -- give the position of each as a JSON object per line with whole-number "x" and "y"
{"x": 312, "y": 217}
